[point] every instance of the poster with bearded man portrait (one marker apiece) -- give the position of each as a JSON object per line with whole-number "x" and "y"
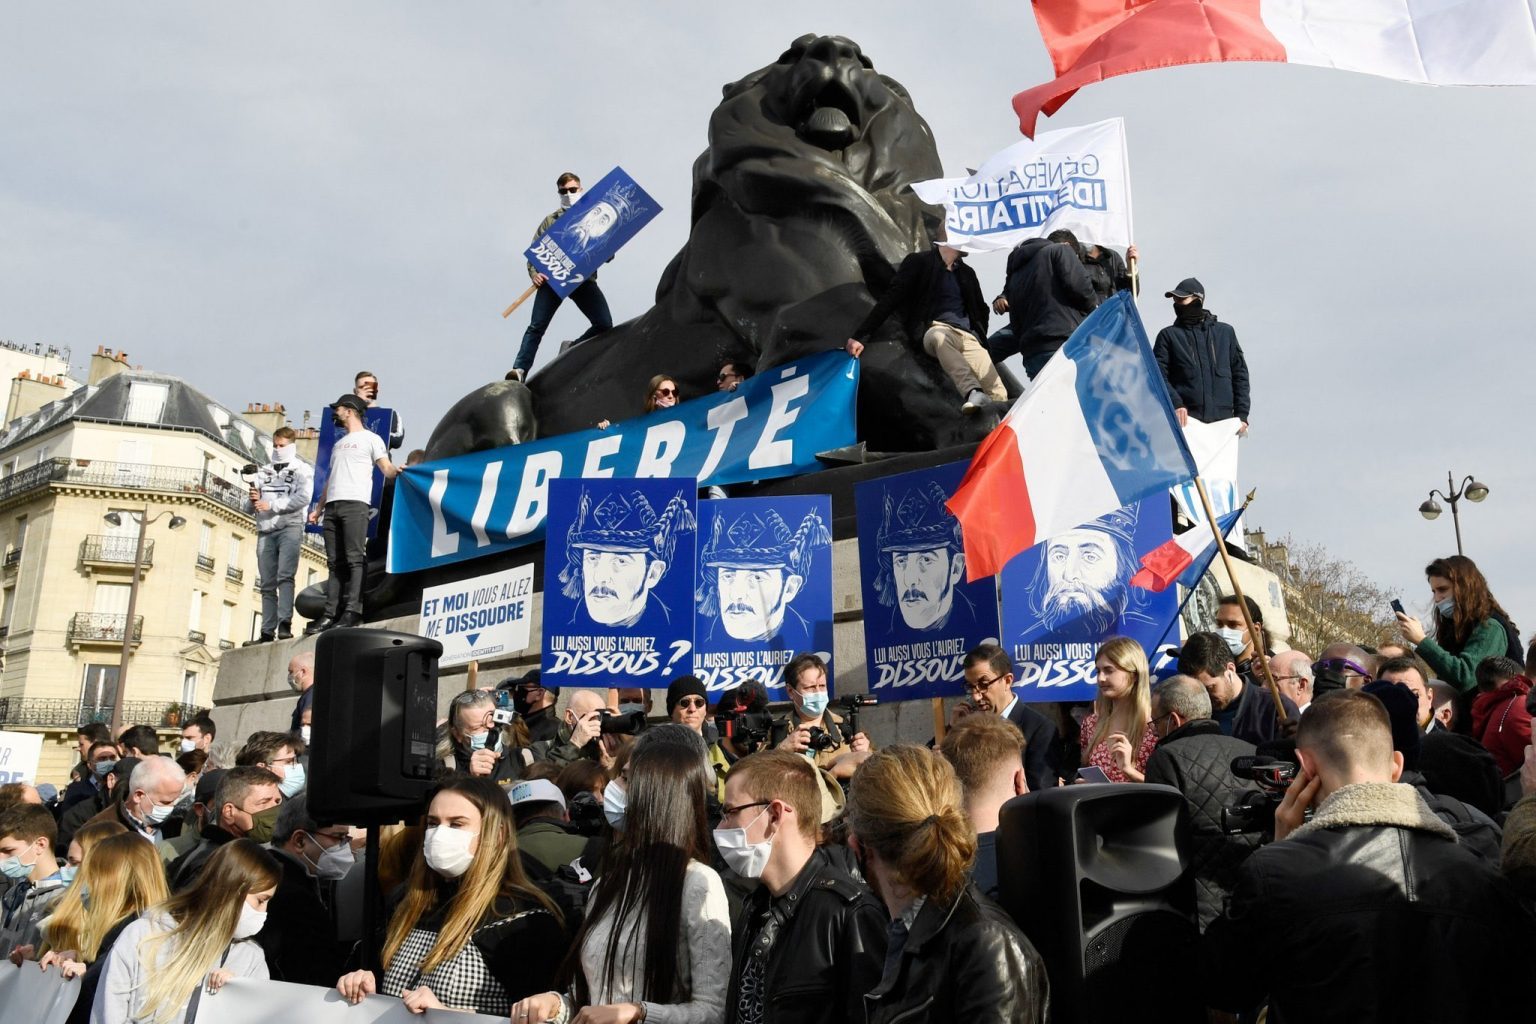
{"x": 1064, "y": 596}
{"x": 764, "y": 590}
{"x": 920, "y": 615}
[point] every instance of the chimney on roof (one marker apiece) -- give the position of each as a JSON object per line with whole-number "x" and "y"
{"x": 106, "y": 364}
{"x": 29, "y": 394}
{"x": 264, "y": 417}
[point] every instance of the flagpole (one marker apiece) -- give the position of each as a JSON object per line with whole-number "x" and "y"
{"x": 1189, "y": 592}
{"x": 1242, "y": 602}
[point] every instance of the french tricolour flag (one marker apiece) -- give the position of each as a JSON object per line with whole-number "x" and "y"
{"x": 1433, "y": 42}
{"x": 1184, "y": 559}
{"x": 1095, "y": 431}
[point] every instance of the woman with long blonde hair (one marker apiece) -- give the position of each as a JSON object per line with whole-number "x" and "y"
{"x": 62, "y": 928}
{"x": 1117, "y": 735}
{"x": 199, "y": 938}
{"x": 471, "y": 932}
{"x": 120, "y": 877}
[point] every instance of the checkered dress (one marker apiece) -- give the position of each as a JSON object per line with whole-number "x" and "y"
{"x": 464, "y": 982}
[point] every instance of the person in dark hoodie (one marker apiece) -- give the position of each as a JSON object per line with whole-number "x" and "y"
{"x": 1046, "y": 294}
{"x": 1107, "y": 270}
{"x": 1201, "y": 360}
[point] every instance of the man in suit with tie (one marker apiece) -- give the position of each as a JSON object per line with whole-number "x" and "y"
{"x": 989, "y": 682}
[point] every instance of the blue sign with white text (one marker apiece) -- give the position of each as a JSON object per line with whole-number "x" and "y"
{"x": 587, "y": 235}
{"x": 473, "y": 505}
{"x": 920, "y": 615}
{"x": 378, "y": 420}
{"x": 618, "y": 582}
{"x": 1066, "y": 595}
{"x": 764, "y": 589}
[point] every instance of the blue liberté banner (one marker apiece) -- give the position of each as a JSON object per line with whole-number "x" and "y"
{"x": 618, "y": 582}
{"x": 377, "y": 419}
{"x": 920, "y": 615}
{"x": 474, "y": 505}
{"x": 1066, "y": 595}
{"x": 764, "y": 591}
{"x": 587, "y": 235}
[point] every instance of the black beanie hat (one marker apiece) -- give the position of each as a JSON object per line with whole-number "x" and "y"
{"x": 1403, "y": 709}
{"x": 685, "y": 686}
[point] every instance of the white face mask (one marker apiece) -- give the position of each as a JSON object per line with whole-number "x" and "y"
{"x": 447, "y": 850}
{"x": 1235, "y": 639}
{"x": 282, "y": 456}
{"x": 744, "y": 858}
{"x": 187, "y": 746}
{"x": 304, "y": 732}
{"x": 614, "y": 802}
{"x": 569, "y": 198}
{"x": 251, "y": 921}
{"x": 336, "y": 862}
{"x": 158, "y": 813}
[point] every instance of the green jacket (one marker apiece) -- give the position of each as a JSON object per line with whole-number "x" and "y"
{"x": 543, "y": 227}
{"x": 1460, "y": 669}
{"x": 548, "y": 843}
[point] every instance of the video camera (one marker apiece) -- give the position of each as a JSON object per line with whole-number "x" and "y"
{"x": 851, "y": 704}
{"x": 586, "y": 814}
{"x": 1256, "y": 812}
{"x": 749, "y": 731}
{"x": 621, "y": 723}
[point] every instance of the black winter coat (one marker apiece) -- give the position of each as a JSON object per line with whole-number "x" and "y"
{"x": 1107, "y": 272}
{"x": 1256, "y": 720}
{"x": 1382, "y": 915}
{"x": 826, "y": 949}
{"x": 299, "y": 937}
{"x": 914, "y": 295}
{"x": 1204, "y": 368}
{"x": 963, "y": 961}
{"x": 1049, "y": 293}
{"x": 1196, "y": 759}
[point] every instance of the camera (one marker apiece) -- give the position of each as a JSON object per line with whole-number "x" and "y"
{"x": 1256, "y": 811}
{"x": 586, "y": 814}
{"x": 851, "y": 704}
{"x": 503, "y": 716}
{"x": 747, "y": 730}
{"x": 820, "y": 739}
{"x": 625, "y": 723}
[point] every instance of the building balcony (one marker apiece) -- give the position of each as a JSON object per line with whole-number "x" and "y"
{"x": 205, "y": 562}
{"x": 93, "y": 628}
{"x": 12, "y": 559}
{"x": 226, "y": 645}
{"x": 125, "y": 476}
{"x": 234, "y": 573}
{"x": 114, "y": 551}
{"x": 57, "y": 713}
{"x": 197, "y": 636}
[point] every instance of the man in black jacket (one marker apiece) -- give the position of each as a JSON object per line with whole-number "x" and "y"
{"x": 1046, "y": 293}
{"x": 1384, "y": 915}
{"x": 1240, "y": 708}
{"x": 989, "y": 682}
{"x": 1201, "y": 360}
{"x": 810, "y": 940}
{"x": 1194, "y": 757}
{"x": 940, "y": 304}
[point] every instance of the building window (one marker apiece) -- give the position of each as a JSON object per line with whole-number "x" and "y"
{"x": 112, "y": 598}
{"x": 226, "y": 622}
{"x": 195, "y": 619}
{"x": 255, "y": 625}
{"x": 234, "y": 550}
{"x": 97, "y": 692}
{"x": 189, "y": 687}
{"x": 21, "y": 533}
{"x": 5, "y": 613}
{"x": 309, "y": 580}
{"x": 205, "y": 541}
{"x": 146, "y": 401}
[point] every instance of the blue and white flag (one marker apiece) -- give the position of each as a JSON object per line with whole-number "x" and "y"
{"x": 618, "y": 582}
{"x": 764, "y": 590}
{"x": 921, "y": 617}
{"x": 1077, "y": 179}
{"x": 474, "y": 505}
{"x": 587, "y": 235}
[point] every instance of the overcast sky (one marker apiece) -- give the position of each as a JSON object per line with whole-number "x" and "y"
{"x": 263, "y": 199}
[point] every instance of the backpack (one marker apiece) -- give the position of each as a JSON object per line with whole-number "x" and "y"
{"x": 1514, "y": 651}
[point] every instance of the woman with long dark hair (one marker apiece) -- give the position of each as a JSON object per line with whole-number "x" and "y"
{"x": 196, "y": 940}
{"x": 954, "y": 955}
{"x": 471, "y": 932}
{"x": 1469, "y": 624}
{"x": 660, "y": 393}
{"x": 656, "y": 941}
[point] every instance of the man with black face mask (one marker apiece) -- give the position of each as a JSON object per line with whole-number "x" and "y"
{"x": 1201, "y": 360}
{"x": 535, "y": 703}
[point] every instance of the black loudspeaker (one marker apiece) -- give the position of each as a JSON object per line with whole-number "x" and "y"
{"x": 1095, "y": 876}
{"x": 373, "y": 726}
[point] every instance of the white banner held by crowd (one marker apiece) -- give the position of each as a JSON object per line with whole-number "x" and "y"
{"x": 248, "y": 1001}
{"x": 1077, "y": 179}
{"x": 30, "y": 995}
{"x": 481, "y": 618}
{"x": 19, "y": 754}
{"x": 1215, "y": 448}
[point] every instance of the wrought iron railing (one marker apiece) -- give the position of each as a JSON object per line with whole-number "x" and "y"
{"x": 226, "y": 645}
{"x": 197, "y": 636}
{"x": 205, "y": 562}
{"x": 13, "y": 558}
{"x": 97, "y": 628}
{"x": 50, "y": 712}
{"x": 234, "y": 573}
{"x": 115, "y": 549}
{"x": 128, "y": 476}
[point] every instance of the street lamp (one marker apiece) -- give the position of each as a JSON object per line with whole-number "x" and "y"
{"x": 116, "y": 519}
{"x": 1470, "y": 489}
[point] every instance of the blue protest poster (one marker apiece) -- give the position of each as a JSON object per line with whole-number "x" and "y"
{"x": 618, "y": 581}
{"x": 920, "y": 615}
{"x": 764, "y": 590}
{"x": 587, "y": 235}
{"x": 771, "y": 426}
{"x": 1066, "y": 595}
{"x": 378, "y": 420}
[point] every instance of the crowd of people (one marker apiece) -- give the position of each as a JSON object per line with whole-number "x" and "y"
{"x": 743, "y": 863}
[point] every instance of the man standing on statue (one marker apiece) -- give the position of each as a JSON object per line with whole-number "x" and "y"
{"x": 588, "y": 296}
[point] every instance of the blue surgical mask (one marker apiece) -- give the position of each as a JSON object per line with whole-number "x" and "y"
{"x": 477, "y": 740}
{"x": 13, "y": 867}
{"x": 68, "y": 872}
{"x": 614, "y": 802}
{"x": 103, "y": 768}
{"x": 1446, "y": 607}
{"x": 292, "y": 782}
{"x": 815, "y": 703}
